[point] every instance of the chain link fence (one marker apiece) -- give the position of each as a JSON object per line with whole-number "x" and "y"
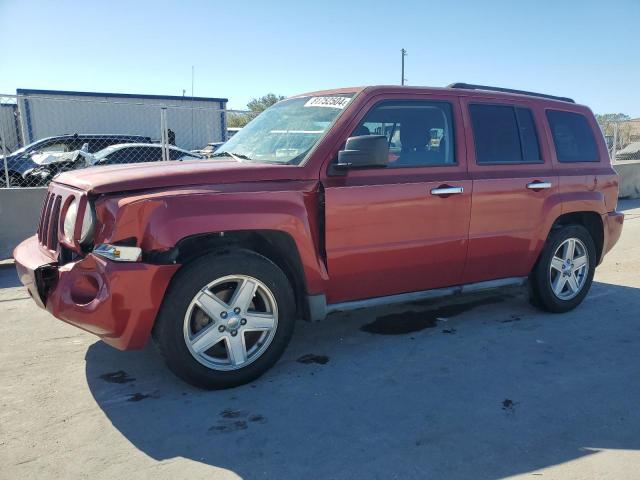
{"x": 623, "y": 139}
{"x": 43, "y": 135}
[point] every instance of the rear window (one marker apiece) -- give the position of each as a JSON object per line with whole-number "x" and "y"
{"x": 504, "y": 134}
{"x": 572, "y": 136}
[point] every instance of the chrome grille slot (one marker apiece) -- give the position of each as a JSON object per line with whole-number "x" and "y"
{"x": 42, "y": 216}
{"x": 50, "y": 221}
{"x": 44, "y": 221}
{"x": 54, "y": 222}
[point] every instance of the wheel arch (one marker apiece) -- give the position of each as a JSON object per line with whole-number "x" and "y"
{"x": 590, "y": 220}
{"x": 275, "y": 245}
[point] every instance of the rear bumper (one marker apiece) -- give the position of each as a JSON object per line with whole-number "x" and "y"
{"x": 118, "y": 301}
{"x": 612, "y": 222}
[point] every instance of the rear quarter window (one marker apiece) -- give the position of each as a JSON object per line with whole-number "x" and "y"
{"x": 572, "y": 136}
{"x": 504, "y": 134}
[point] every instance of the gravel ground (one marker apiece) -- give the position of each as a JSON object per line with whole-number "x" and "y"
{"x": 482, "y": 387}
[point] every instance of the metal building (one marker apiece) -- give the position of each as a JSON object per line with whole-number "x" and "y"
{"x": 9, "y": 131}
{"x": 193, "y": 121}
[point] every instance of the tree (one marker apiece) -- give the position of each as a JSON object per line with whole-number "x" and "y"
{"x": 611, "y": 117}
{"x": 238, "y": 120}
{"x": 256, "y": 106}
{"x": 610, "y": 122}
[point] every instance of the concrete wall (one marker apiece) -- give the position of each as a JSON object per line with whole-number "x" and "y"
{"x": 19, "y": 214}
{"x": 629, "y": 172}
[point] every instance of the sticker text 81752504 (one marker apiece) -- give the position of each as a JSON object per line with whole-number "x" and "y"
{"x": 331, "y": 102}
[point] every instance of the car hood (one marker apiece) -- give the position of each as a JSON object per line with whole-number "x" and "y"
{"x": 141, "y": 176}
{"x": 18, "y": 163}
{"x": 46, "y": 158}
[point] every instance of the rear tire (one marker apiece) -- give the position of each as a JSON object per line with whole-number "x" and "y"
{"x": 225, "y": 320}
{"x": 564, "y": 272}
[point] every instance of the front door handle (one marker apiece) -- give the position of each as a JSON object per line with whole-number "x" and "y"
{"x": 447, "y": 190}
{"x": 538, "y": 185}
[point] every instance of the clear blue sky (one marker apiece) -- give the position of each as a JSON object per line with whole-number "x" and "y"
{"x": 589, "y": 50}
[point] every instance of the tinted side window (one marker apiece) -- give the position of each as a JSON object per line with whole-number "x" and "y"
{"x": 572, "y": 136}
{"x": 176, "y": 154}
{"x": 179, "y": 154}
{"x": 134, "y": 155}
{"x": 97, "y": 144}
{"x": 528, "y": 135}
{"x": 419, "y": 133}
{"x": 150, "y": 154}
{"x": 119, "y": 156}
{"x": 504, "y": 134}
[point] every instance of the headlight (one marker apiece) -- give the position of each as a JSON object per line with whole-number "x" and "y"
{"x": 70, "y": 222}
{"x": 118, "y": 253}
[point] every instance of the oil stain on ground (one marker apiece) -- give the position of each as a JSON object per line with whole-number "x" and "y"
{"x": 117, "y": 377}
{"x": 512, "y": 318}
{"x": 235, "y": 420}
{"x": 227, "y": 427}
{"x": 311, "y": 358}
{"x": 229, "y": 413}
{"x": 412, "y": 321}
{"x": 508, "y": 405}
{"x": 136, "y": 397}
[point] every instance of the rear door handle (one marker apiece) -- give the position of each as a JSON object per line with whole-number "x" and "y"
{"x": 447, "y": 190}
{"x": 538, "y": 185}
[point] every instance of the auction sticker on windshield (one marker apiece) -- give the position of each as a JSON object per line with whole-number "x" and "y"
{"x": 331, "y": 102}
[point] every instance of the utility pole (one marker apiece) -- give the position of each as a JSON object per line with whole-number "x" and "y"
{"x": 192, "y": 119}
{"x": 404, "y": 54}
{"x": 615, "y": 142}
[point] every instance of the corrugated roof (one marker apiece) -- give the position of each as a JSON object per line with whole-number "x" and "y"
{"x": 30, "y": 91}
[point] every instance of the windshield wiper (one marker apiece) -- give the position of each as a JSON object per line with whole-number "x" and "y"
{"x": 238, "y": 157}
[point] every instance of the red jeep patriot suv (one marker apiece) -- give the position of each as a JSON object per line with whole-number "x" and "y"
{"x": 327, "y": 201}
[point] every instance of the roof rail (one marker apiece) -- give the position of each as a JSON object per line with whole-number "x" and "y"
{"x": 470, "y": 86}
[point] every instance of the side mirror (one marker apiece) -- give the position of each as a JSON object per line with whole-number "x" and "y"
{"x": 85, "y": 147}
{"x": 365, "y": 151}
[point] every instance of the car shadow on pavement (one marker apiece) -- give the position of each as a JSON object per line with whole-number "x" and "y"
{"x": 628, "y": 204}
{"x": 485, "y": 387}
{"x": 8, "y": 276}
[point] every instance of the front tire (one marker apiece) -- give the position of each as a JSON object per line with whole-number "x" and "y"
{"x": 226, "y": 319}
{"x": 564, "y": 272}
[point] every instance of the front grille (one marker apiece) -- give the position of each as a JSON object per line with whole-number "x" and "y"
{"x": 49, "y": 221}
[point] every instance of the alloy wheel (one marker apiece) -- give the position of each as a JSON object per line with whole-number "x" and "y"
{"x": 230, "y": 322}
{"x": 569, "y": 269}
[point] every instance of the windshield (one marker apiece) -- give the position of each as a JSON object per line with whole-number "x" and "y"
{"x": 104, "y": 152}
{"x": 29, "y": 147}
{"x": 285, "y": 132}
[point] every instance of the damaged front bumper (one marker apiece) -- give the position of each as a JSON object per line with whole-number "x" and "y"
{"x": 118, "y": 301}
